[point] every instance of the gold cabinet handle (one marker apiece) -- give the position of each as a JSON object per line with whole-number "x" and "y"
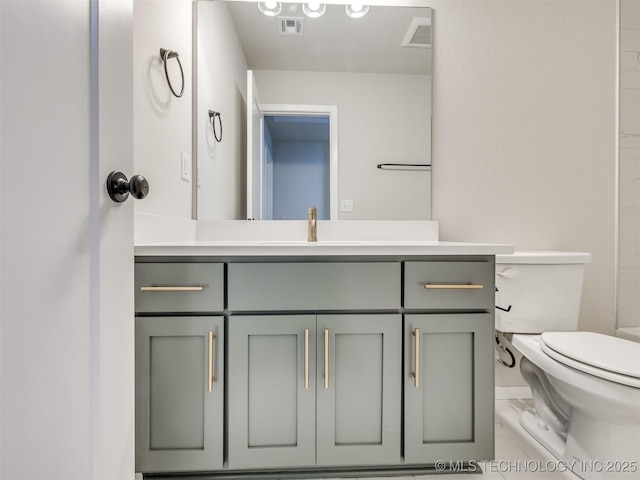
{"x": 153, "y": 288}
{"x": 456, "y": 286}
{"x": 306, "y": 358}
{"x": 416, "y": 360}
{"x": 326, "y": 358}
{"x": 211, "y": 377}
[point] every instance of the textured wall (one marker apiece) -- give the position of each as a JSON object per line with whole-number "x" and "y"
{"x": 162, "y": 122}
{"x": 524, "y": 132}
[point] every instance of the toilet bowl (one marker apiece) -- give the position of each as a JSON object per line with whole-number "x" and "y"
{"x": 585, "y": 386}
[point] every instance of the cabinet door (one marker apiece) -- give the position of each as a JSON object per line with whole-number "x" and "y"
{"x": 179, "y": 393}
{"x": 449, "y": 408}
{"x": 272, "y": 387}
{"x": 359, "y": 389}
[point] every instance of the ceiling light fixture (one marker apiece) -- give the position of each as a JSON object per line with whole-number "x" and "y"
{"x": 314, "y": 9}
{"x": 271, "y": 8}
{"x": 357, "y": 10}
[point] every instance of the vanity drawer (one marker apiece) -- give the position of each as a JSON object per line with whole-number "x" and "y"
{"x": 449, "y": 285}
{"x": 179, "y": 287}
{"x": 314, "y": 286}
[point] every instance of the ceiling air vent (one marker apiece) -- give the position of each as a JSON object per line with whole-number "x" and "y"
{"x": 419, "y": 34}
{"x": 291, "y": 26}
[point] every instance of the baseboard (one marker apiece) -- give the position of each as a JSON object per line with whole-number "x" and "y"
{"x": 511, "y": 393}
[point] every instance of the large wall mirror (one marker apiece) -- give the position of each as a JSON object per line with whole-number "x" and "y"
{"x": 331, "y": 110}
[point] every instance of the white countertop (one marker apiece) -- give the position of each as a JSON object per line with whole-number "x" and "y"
{"x": 321, "y": 248}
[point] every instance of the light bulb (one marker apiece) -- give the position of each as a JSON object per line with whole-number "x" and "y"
{"x": 270, "y": 8}
{"x": 314, "y": 9}
{"x": 357, "y": 10}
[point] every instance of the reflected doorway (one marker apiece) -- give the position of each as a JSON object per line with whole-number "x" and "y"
{"x": 297, "y": 166}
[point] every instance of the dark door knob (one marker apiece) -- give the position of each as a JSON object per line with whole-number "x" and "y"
{"x": 119, "y": 187}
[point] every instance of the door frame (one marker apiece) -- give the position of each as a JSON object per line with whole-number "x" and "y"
{"x": 315, "y": 110}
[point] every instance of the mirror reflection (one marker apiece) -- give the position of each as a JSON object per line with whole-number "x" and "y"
{"x": 295, "y": 166}
{"x": 366, "y": 80}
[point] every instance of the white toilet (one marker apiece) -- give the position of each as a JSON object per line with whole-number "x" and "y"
{"x": 585, "y": 386}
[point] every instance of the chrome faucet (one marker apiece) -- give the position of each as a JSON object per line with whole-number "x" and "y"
{"x": 312, "y": 225}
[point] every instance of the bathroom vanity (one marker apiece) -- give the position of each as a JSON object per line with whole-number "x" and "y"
{"x": 326, "y": 359}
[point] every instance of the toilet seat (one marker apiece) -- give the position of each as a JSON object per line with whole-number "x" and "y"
{"x": 603, "y": 356}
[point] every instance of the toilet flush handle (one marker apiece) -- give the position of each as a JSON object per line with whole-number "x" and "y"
{"x": 507, "y": 273}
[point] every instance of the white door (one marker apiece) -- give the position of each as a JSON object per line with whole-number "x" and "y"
{"x": 255, "y": 149}
{"x": 66, "y": 250}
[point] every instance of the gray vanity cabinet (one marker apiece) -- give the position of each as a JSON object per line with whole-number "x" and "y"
{"x": 267, "y": 366}
{"x": 179, "y": 287}
{"x": 179, "y": 393}
{"x": 449, "y": 403}
{"x": 314, "y": 390}
{"x": 179, "y": 366}
{"x": 448, "y": 361}
{"x": 359, "y": 389}
{"x": 272, "y": 390}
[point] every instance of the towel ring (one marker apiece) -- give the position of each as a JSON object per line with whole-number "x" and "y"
{"x": 166, "y": 55}
{"x": 212, "y": 117}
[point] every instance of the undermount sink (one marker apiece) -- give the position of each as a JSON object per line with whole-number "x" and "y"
{"x": 318, "y": 243}
{"x": 342, "y": 243}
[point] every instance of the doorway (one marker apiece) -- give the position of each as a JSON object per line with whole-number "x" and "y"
{"x": 297, "y": 168}
{"x": 294, "y": 165}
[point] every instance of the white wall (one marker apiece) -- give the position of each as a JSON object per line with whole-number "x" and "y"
{"x": 222, "y": 77}
{"x": 162, "y": 122}
{"x": 524, "y": 131}
{"x": 629, "y": 220}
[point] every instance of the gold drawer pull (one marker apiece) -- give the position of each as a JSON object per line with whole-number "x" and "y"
{"x": 306, "y": 358}
{"x": 326, "y": 358}
{"x": 211, "y": 376}
{"x": 197, "y": 288}
{"x": 456, "y": 286}
{"x": 416, "y": 358}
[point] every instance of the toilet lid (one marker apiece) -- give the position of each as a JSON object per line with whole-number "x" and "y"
{"x": 604, "y": 356}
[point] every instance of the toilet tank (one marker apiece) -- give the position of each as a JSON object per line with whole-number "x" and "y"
{"x": 540, "y": 290}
